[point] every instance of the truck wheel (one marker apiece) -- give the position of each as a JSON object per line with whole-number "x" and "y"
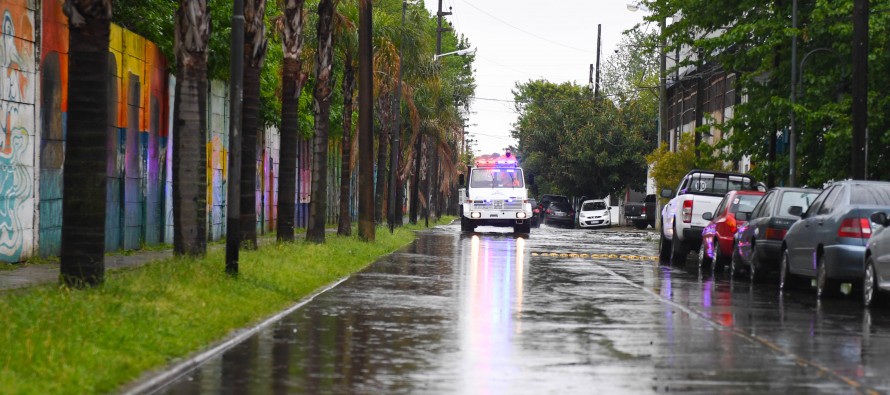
{"x": 664, "y": 249}
{"x": 640, "y": 224}
{"x": 522, "y": 228}
{"x": 467, "y": 225}
{"x": 678, "y": 251}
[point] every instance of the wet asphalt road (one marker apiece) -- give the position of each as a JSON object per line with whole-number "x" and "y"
{"x": 490, "y": 313}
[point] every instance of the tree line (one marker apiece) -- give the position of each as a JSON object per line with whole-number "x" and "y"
{"x": 291, "y": 47}
{"x": 753, "y": 40}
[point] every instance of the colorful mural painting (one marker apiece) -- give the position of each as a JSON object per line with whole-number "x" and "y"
{"x": 17, "y": 123}
{"x": 139, "y": 209}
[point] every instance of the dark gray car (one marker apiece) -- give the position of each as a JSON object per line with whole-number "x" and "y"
{"x": 828, "y": 243}
{"x": 758, "y": 246}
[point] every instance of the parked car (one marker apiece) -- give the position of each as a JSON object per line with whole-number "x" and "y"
{"x": 876, "y": 275}
{"x": 558, "y": 213}
{"x": 595, "y": 214}
{"x": 758, "y": 244}
{"x": 829, "y": 241}
{"x": 546, "y": 199}
{"x": 699, "y": 192}
{"x": 641, "y": 214}
{"x": 536, "y": 214}
{"x": 718, "y": 235}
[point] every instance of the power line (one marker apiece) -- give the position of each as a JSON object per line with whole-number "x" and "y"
{"x": 586, "y": 51}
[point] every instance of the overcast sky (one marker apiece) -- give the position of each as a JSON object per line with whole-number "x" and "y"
{"x": 519, "y": 40}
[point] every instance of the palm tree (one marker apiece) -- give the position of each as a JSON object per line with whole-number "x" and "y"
{"x": 254, "y": 54}
{"x": 83, "y": 218}
{"x": 366, "y": 139}
{"x": 315, "y": 231}
{"x": 347, "y": 42}
{"x": 291, "y": 28}
{"x": 189, "y": 128}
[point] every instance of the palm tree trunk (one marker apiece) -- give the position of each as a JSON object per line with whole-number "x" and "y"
{"x": 254, "y": 53}
{"x": 189, "y": 131}
{"x": 345, "y": 223}
{"x": 83, "y": 209}
{"x": 322, "y": 97}
{"x": 382, "y": 154}
{"x": 292, "y": 41}
{"x": 366, "y": 230}
{"x": 415, "y": 183}
{"x": 290, "y": 130}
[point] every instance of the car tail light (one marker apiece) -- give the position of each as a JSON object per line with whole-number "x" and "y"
{"x": 549, "y": 211}
{"x": 855, "y": 227}
{"x": 775, "y": 234}
{"x": 644, "y": 210}
{"x": 731, "y": 223}
{"x": 687, "y": 211}
{"x": 536, "y": 211}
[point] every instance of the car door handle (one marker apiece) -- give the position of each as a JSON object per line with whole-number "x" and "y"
{"x": 820, "y": 223}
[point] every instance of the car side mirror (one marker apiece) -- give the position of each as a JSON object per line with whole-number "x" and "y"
{"x": 880, "y": 218}
{"x": 742, "y": 216}
{"x": 667, "y": 193}
{"x": 796, "y": 211}
{"x": 460, "y": 180}
{"x": 707, "y": 216}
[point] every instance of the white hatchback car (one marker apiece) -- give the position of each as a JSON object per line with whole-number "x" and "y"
{"x": 594, "y": 214}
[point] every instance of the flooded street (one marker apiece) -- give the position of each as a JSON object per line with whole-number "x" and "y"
{"x": 561, "y": 311}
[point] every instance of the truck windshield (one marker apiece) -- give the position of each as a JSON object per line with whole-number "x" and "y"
{"x": 496, "y": 178}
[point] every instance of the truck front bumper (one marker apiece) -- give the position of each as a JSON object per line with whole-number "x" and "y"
{"x": 498, "y": 217}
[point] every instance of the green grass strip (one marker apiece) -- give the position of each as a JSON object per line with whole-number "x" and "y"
{"x": 60, "y": 341}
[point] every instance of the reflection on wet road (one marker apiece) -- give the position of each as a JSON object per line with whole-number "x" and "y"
{"x": 491, "y": 313}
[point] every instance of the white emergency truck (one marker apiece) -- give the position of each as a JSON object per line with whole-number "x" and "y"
{"x": 494, "y": 195}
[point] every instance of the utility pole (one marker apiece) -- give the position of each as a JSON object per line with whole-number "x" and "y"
{"x": 365, "y": 123}
{"x": 792, "y": 130}
{"x": 433, "y": 170}
{"x": 396, "y": 139}
{"x": 662, "y": 85}
{"x": 233, "y": 198}
{"x": 596, "y": 86}
{"x": 860, "y": 90}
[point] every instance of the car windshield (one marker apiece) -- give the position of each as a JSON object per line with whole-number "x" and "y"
{"x": 871, "y": 194}
{"x": 496, "y": 178}
{"x": 802, "y": 199}
{"x": 718, "y": 184}
{"x": 590, "y": 206}
{"x": 744, "y": 203}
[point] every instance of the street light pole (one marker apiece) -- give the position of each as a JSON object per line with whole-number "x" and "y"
{"x": 233, "y": 197}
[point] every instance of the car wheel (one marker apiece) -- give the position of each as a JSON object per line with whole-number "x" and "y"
{"x": 664, "y": 248}
{"x": 824, "y": 285}
{"x": 871, "y": 295}
{"x": 753, "y": 265}
{"x": 704, "y": 260}
{"x": 678, "y": 251}
{"x": 735, "y": 261}
{"x": 786, "y": 279}
{"x": 522, "y": 228}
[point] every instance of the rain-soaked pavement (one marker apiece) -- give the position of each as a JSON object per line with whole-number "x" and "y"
{"x": 490, "y": 313}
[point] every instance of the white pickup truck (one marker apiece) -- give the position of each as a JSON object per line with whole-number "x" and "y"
{"x": 681, "y": 219}
{"x": 495, "y": 195}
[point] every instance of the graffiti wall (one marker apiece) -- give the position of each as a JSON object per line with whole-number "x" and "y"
{"x": 18, "y": 81}
{"x": 139, "y": 195}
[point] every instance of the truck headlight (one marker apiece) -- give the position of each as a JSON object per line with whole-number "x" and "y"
{"x": 476, "y": 214}
{"x": 520, "y": 214}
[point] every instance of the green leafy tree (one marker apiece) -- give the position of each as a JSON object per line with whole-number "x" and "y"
{"x": 574, "y": 145}
{"x": 669, "y": 168}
